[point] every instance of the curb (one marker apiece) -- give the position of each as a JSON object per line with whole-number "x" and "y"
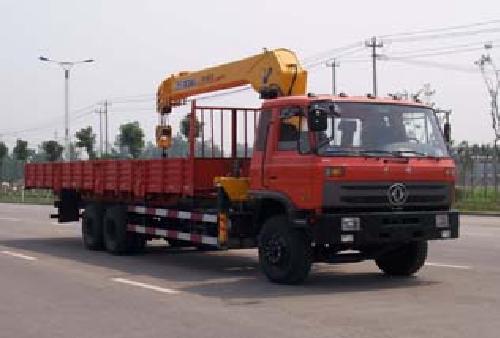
{"x": 480, "y": 213}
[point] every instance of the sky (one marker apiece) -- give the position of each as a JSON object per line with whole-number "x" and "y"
{"x": 136, "y": 44}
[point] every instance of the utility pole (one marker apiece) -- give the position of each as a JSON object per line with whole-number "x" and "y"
{"x": 105, "y": 106}
{"x": 373, "y": 43}
{"x": 67, "y": 142}
{"x": 100, "y": 112}
{"x": 428, "y": 94}
{"x": 333, "y": 65}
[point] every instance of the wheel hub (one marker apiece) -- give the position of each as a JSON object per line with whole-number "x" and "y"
{"x": 274, "y": 249}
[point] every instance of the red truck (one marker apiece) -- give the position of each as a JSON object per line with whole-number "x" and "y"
{"x": 329, "y": 178}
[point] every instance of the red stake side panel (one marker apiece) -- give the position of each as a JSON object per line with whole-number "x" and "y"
{"x": 135, "y": 178}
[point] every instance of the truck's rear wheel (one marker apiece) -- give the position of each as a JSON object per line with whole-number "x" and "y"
{"x": 92, "y": 226}
{"x": 117, "y": 239}
{"x": 405, "y": 260}
{"x": 284, "y": 252}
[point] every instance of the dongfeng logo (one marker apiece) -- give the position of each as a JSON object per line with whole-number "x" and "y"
{"x": 397, "y": 194}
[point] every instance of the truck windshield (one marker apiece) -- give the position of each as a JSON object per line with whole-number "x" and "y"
{"x": 372, "y": 129}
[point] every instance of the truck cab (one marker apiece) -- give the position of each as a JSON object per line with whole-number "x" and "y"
{"x": 355, "y": 173}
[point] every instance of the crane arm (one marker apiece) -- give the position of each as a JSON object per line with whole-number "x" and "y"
{"x": 272, "y": 73}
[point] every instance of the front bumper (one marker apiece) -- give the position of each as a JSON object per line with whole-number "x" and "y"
{"x": 385, "y": 227}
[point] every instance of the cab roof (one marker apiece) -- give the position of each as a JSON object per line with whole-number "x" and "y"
{"x": 304, "y": 99}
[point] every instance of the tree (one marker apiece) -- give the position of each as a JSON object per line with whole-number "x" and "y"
{"x": 151, "y": 151}
{"x": 85, "y": 138}
{"x": 3, "y": 152}
{"x": 21, "y": 151}
{"x": 75, "y": 152}
{"x": 185, "y": 126}
{"x": 131, "y": 138}
{"x": 52, "y": 150}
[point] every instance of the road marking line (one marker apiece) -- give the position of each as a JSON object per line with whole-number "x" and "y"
{"x": 463, "y": 267}
{"x": 145, "y": 285}
{"x": 12, "y": 219}
{"x": 18, "y": 255}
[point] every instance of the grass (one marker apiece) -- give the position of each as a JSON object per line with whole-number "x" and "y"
{"x": 30, "y": 197}
{"x": 477, "y": 199}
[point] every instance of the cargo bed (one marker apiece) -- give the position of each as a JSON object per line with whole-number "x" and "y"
{"x": 134, "y": 178}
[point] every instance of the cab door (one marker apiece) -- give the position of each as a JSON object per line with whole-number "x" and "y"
{"x": 288, "y": 160}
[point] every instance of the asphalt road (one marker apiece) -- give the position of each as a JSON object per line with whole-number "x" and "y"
{"x": 51, "y": 287}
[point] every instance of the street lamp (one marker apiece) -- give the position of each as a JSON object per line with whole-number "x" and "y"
{"x": 66, "y": 66}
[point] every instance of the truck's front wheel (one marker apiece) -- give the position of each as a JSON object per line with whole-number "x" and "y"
{"x": 284, "y": 252}
{"x": 405, "y": 260}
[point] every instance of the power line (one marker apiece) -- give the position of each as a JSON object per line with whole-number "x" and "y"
{"x": 432, "y": 64}
{"x": 83, "y": 111}
{"x": 447, "y": 47}
{"x": 331, "y": 56}
{"x": 415, "y": 54}
{"x": 137, "y": 100}
{"x": 446, "y": 35}
{"x": 444, "y": 52}
{"x": 130, "y": 97}
{"x": 443, "y": 29}
{"x": 329, "y": 52}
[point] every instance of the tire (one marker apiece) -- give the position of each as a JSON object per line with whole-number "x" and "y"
{"x": 117, "y": 239}
{"x": 138, "y": 243}
{"x": 177, "y": 243}
{"x": 405, "y": 260}
{"x": 285, "y": 254}
{"x": 92, "y": 227}
{"x": 205, "y": 247}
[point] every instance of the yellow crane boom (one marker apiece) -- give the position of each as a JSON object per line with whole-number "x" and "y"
{"x": 272, "y": 74}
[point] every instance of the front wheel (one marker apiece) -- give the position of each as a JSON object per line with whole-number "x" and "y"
{"x": 284, "y": 252}
{"x": 405, "y": 260}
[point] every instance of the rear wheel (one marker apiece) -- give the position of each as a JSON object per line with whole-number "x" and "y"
{"x": 117, "y": 239}
{"x": 284, "y": 253}
{"x": 177, "y": 243}
{"x": 405, "y": 260}
{"x": 92, "y": 227}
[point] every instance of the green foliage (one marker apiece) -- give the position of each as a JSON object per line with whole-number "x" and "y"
{"x": 3, "y": 150}
{"x": 185, "y": 126}
{"x": 21, "y": 150}
{"x": 131, "y": 138}
{"x": 52, "y": 150}
{"x": 477, "y": 199}
{"x": 37, "y": 196}
{"x": 86, "y": 139}
{"x": 3, "y": 153}
{"x": 75, "y": 153}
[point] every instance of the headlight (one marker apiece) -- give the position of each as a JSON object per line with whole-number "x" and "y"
{"x": 350, "y": 224}
{"x": 442, "y": 221}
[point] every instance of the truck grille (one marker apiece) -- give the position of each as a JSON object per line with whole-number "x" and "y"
{"x": 419, "y": 194}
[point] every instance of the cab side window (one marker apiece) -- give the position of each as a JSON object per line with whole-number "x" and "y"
{"x": 293, "y": 131}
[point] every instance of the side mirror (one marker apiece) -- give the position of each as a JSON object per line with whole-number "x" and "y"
{"x": 317, "y": 119}
{"x": 447, "y": 132}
